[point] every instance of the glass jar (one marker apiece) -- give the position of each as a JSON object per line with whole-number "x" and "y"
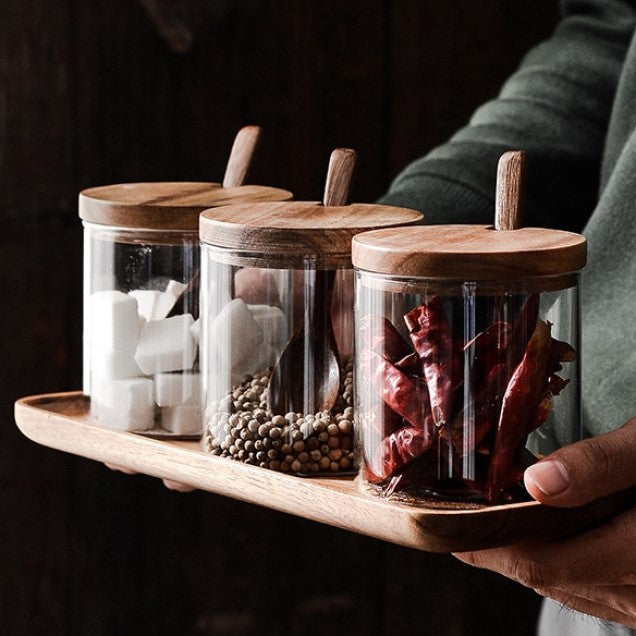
{"x": 277, "y": 332}
{"x": 467, "y": 357}
{"x": 141, "y": 302}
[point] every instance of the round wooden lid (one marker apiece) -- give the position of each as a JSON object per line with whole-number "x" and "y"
{"x": 165, "y": 205}
{"x": 297, "y": 227}
{"x": 470, "y": 252}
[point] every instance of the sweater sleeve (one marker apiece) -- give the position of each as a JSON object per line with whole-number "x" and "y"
{"x": 556, "y": 107}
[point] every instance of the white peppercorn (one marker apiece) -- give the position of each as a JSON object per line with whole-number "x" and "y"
{"x": 240, "y": 426}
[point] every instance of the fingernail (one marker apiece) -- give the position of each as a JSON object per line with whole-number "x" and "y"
{"x": 550, "y": 477}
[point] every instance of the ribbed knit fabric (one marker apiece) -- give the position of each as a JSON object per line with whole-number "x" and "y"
{"x": 572, "y": 107}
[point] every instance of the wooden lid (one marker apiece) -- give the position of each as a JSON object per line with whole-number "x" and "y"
{"x": 469, "y": 252}
{"x": 297, "y": 227}
{"x": 165, "y": 205}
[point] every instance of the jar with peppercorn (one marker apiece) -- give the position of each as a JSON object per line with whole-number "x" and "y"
{"x": 467, "y": 352}
{"x": 141, "y": 295}
{"x": 277, "y": 327}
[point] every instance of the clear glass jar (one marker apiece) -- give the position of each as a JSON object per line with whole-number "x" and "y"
{"x": 141, "y": 304}
{"x": 141, "y": 315}
{"x": 277, "y": 332}
{"x": 464, "y": 375}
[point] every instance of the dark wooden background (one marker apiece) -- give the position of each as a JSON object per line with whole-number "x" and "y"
{"x": 101, "y": 92}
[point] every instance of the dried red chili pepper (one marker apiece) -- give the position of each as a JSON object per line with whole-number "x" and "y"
{"x": 378, "y": 421}
{"x": 485, "y": 408}
{"x": 486, "y": 349}
{"x": 523, "y": 459}
{"x": 477, "y": 418}
{"x": 523, "y": 329}
{"x": 559, "y": 352}
{"x": 441, "y": 360}
{"x": 541, "y": 412}
{"x": 396, "y": 389}
{"x": 397, "y": 450}
{"x": 562, "y": 351}
{"x": 378, "y": 334}
{"x": 421, "y": 472}
{"x": 556, "y": 384}
{"x": 522, "y": 396}
{"x": 409, "y": 364}
{"x": 384, "y": 419}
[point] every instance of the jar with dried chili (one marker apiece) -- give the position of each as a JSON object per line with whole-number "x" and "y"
{"x": 277, "y": 328}
{"x": 467, "y": 355}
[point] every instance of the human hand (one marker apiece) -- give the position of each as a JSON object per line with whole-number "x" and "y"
{"x": 593, "y": 572}
{"x": 168, "y": 483}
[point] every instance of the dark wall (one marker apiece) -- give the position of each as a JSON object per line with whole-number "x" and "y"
{"x": 101, "y": 92}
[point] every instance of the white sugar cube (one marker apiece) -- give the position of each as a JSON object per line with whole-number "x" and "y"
{"x": 113, "y": 365}
{"x": 266, "y": 357}
{"x": 196, "y": 330}
{"x": 218, "y": 378}
{"x": 126, "y": 405}
{"x": 234, "y": 335}
{"x": 172, "y": 389}
{"x": 263, "y": 357}
{"x": 175, "y": 288}
{"x": 152, "y": 304}
{"x": 182, "y": 420}
{"x": 114, "y": 323}
{"x": 272, "y": 323}
{"x": 166, "y": 345}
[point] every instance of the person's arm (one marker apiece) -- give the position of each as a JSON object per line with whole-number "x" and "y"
{"x": 594, "y": 572}
{"x": 556, "y": 107}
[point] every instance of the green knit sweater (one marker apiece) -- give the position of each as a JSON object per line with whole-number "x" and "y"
{"x": 572, "y": 106}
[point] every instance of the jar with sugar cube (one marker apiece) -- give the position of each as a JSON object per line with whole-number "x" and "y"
{"x": 141, "y": 300}
{"x": 466, "y": 353}
{"x": 277, "y": 327}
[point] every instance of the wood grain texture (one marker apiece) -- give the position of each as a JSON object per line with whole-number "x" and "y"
{"x": 243, "y": 149}
{"x": 92, "y": 94}
{"x": 61, "y": 421}
{"x": 511, "y": 186}
{"x": 297, "y": 227}
{"x": 339, "y": 174}
{"x": 470, "y": 252}
{"x": 165, "y": 206}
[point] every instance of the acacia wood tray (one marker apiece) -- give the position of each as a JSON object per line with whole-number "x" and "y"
{"x": 61, "y": 421}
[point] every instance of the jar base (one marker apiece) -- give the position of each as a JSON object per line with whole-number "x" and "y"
{"x": 456, "y": 497}
{"x": 162, "y": 433}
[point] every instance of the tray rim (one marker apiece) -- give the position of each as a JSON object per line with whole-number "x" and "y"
{"x": 335, "y": 501}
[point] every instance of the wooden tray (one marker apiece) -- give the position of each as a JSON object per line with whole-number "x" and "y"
{"x": 61, "y": 421}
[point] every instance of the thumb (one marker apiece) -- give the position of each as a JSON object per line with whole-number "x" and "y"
{"x": 587, "y": 470}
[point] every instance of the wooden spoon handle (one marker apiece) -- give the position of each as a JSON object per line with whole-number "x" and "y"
{"x": 511, "y": 185}
{"x": 240, "y": 159}
{"x": 339, "y": 173}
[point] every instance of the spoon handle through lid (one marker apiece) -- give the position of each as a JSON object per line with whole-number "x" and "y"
{"x": 511, "y": 182}
{"x": 339, "y": 173}
{"x": 241, "y": 155}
